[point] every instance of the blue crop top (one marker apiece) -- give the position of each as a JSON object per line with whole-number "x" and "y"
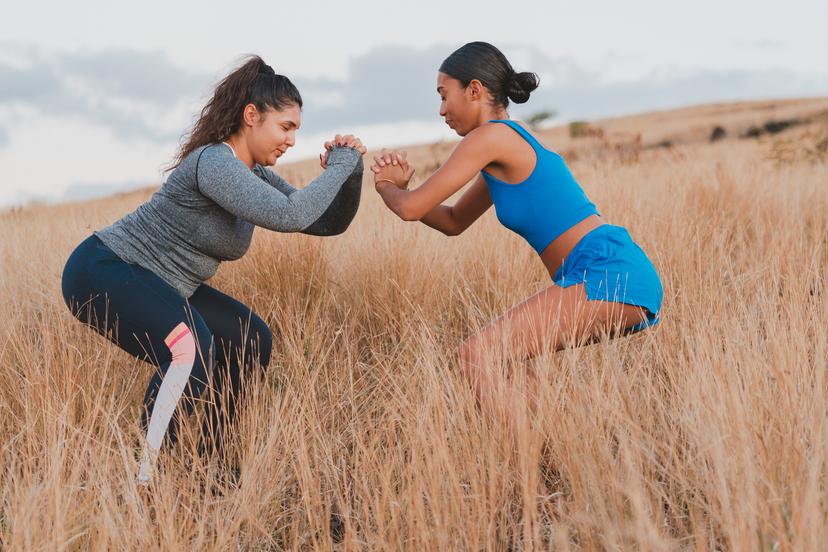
{"x": 546, "y": 204}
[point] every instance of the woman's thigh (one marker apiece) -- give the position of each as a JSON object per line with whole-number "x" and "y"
{"x": 553, "y": 319}
{"x": 237, "y": 330}
{"x": 128, "y": 304}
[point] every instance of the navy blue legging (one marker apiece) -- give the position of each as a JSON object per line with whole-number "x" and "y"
{"x": 204, "y": 343}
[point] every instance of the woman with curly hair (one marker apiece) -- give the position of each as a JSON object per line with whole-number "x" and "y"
{"x": 141, "y": 281}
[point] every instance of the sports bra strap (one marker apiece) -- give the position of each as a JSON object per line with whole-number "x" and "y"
{"x": 520, "y": 130}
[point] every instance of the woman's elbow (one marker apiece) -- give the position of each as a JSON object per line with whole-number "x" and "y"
{"x": 286, "y": 225}
{"x": 453, "y": 229}
{"x": 325, "y": 230}
{"x": 358, "y": 169}
{"x": 410, "y": 213}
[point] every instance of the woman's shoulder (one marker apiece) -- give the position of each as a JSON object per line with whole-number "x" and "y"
{"x": 189, "y": 161}
{"x": 508, "y": 133}
{"x": 501, "y": 127}
{"x": 186, "y": 173}
{"x": 493, "y": 136}
{"x": 213, "y": 150}
{"x": 494, "y": 131}
{"x": 216, "y": 155}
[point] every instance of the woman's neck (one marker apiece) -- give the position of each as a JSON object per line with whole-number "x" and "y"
{"x": 493, "y": 115}
{"x": 239, "y": 147}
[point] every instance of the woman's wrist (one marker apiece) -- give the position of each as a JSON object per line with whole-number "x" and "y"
{"x": 394, "y": 197}
{"x": 389, "y": 192}
{"x": 383, "y": 184}
{"x": 343, "y": 153}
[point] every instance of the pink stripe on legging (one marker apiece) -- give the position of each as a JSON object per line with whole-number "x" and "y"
{"x": 182, "y": 345}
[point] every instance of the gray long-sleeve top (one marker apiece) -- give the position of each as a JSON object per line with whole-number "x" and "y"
{"x": 206, "y": 210}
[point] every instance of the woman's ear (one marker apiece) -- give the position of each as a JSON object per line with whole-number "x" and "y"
{"x": 475, "y": 89}
{"x": 250, "y": 115}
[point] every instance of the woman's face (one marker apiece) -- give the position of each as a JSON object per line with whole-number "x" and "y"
{"x": 456, "y": 107}
{"x": 275, "y": 132}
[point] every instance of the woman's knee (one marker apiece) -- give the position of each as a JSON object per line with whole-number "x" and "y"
{"x": 468, "y": 356}
{"x": 205, "y": 351}
{"x": 261, "y": 338}
{"x": 86, "y": 305}
{"x": 613, "y": 318}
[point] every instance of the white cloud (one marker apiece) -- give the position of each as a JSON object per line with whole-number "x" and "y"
{"x": 47, "y": 156}
{"x": 138, "y": 95}
{"x": 98, "y": 116}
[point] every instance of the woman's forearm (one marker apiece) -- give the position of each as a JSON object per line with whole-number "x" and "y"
{"x": 239, "y": 191}
{"x": 342, "y": 210}
{"x": 397, "y": 200}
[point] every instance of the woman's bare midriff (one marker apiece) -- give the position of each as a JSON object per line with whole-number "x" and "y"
{"x": 559, "y": 249}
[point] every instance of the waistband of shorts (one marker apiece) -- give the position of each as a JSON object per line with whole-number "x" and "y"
{"x": 597, "y": 232}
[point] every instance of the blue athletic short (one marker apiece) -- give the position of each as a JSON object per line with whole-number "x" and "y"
{"x": 613, "y": 267}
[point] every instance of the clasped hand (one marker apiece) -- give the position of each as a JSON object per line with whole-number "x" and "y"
{"x": 392, "y": 167}
{"x": 347, "y": 140}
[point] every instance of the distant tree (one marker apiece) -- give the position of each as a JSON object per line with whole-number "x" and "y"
{"x": 582, "y": 129}
{"x": 718, "y": 133}
{"x": 536, "y": 119}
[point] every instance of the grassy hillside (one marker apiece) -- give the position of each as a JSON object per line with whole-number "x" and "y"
{"x": 708, "y": 432}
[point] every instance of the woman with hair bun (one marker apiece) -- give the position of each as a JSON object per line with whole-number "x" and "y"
{"x": 602, "y": 282}
{"x": 141, "y": 281}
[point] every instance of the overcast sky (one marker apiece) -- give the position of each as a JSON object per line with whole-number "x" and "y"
{"x": 95, "y": 95}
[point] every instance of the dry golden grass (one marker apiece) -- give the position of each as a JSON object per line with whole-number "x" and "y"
{"x": 709, "y": 432}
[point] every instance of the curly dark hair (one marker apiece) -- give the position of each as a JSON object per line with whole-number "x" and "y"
{"x": 253, "y": 82}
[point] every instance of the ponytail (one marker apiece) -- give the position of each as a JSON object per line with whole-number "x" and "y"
{"x": 253, "y": 82}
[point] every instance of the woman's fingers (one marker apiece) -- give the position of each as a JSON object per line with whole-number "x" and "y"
{"x": 392, "y": 158}
{"x": 349, "y": 141}
{"x": 387, "y": 159}
{"x": 400, "y": 158}
{"x": 357, "y": 145}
